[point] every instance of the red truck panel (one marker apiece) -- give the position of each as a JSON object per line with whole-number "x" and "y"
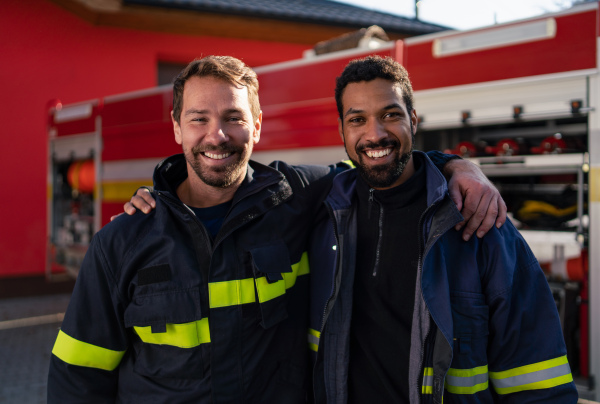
{"x": 77, "y": 126}
{"x": 573, "y": 48}
{"x": 136, "y": 127}
{"x": 298, "y": 103}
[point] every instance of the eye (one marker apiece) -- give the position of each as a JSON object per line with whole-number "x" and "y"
{"x": 392, "y": 115}
{"x": 356, "y": 120}
{"x": 199, "y": 119}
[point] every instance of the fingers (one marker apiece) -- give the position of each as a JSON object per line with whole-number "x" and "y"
{"x": 129, "y": 208}
{"x": 502, "y": 210}
{"x": 115, "y": 216}
{"x": 475, "y": 211}
{"x": 147, "y": 197}
{"x": 142, "y": 200}
{"x": 455, "y": 195}
{"x": 138, "y": 202}
{"x": 489, "y": 218}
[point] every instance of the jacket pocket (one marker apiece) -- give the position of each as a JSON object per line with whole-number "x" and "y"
{"x": 273, "y": 275}
{"x": 470, "y": 317}
{"x": 468, "y": 373}
{"x": 170, "y": 331}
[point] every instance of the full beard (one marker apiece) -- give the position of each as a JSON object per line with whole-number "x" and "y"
{"x": 382, "y": 176}
{"x": 219, "y": 177}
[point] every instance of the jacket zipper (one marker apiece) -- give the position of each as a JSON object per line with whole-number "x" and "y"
{"x": 339, "y": 265}
{"x": 220, "y": 236}
{"x": 179, "y": 204}
{"x": 379, "y": 232}
{"x": 420, "y": 291}
{"x": 371, "y": 190}
{"x": 420, "y": 269}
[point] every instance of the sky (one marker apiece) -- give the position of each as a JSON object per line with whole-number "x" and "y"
{"x": 465, "y": 14}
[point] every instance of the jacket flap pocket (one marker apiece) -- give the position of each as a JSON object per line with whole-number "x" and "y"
{"x": 274, "y": 311}
{"x": 271, "y": 260}
{"x": 470, "y": 315}
{"x": 163, "y": 307}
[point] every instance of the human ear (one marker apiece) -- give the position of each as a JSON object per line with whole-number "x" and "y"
{"x": 176, "y": 129}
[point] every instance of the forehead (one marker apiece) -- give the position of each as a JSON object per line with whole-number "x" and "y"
{"x": 212, "y": 92}
{"x": 376, "y": 93}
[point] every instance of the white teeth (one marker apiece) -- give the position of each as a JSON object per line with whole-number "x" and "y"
{"x": 379, "y": 153}
{"x": 217, "y": 156}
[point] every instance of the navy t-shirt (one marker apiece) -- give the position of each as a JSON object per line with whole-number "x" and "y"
{"x": 212, "y": 217}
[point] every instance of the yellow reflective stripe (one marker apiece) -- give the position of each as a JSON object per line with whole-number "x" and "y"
{"x": 349, "y": 162}
{"x": 427, "y": 387}
{"x": 187, "y": 335}
{"x": 267, "y": 291}
{"x": 544, "y": 384}
{"x": 298, "y": 269}
{"x": 467, "y": 381}
{"x": 541, "y": 375}
{"x": 231, "y": 293}
{"x": 313, "y": 339}
{"x": 75, "y": 352}
{"x": 241, "y": 291}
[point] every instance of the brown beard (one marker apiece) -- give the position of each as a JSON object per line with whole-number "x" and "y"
{"x": 221, "y": 177}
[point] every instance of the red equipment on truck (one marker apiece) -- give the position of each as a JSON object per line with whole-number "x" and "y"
{"x": 520, "y": 99}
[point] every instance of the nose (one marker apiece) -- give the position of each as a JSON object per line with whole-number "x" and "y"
{"x": 216, "y": 134}
{"x": 374, "y": 131}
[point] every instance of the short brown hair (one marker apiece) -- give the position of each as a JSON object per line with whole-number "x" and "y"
{"x": 371, "y": 68}
{"x": 226, "y": 68}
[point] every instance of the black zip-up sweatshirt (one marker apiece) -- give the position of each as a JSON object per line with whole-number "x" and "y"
{"x": 385, "y": 276}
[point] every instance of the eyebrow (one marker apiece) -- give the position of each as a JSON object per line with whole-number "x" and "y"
{"x": 386, "y": 108}
{"x": 195, "y": 112}
{"x": 205, "y": 111}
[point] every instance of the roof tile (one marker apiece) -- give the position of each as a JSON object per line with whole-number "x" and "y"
{"x": 316, "y": 11}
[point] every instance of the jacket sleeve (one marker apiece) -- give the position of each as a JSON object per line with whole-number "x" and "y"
{"x": 526, "y": 350}
{"x": 92, "y": 339}
{"x": 440, "y": 159}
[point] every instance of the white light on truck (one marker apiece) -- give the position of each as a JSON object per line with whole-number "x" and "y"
{"x": 495, "y": 38}
{"x": 72, "y": 113}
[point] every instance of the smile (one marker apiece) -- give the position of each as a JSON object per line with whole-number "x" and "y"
{"x": 378, "y": 153}
{"x": 217, "y": 156}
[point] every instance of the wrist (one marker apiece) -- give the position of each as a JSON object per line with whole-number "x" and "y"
{"x": 452, "y": 165}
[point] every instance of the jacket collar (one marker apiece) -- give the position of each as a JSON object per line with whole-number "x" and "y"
{"x": 344, "y": 184}
{"x": 172, "y": 171}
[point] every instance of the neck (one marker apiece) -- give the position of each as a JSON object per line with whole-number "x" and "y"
{"x": 196, "y": 193}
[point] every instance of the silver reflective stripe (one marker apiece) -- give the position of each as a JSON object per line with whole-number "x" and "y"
{"x": 313, "y": 339}
{"x": 532, "y": 377}
{"x": 469, "y": 381}
{"x": 428, "y": 381}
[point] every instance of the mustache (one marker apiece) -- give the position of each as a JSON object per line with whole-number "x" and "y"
{"x": 382, "y": 144}
{"x": 222, "y": 149}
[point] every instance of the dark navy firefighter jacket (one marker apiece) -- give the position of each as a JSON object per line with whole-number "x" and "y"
{"x": 163, "y": 314}
{"x": 485, "y": 326}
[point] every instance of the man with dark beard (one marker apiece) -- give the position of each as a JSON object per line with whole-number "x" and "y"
{"x": 402, "y": 309}
{"x": 206, "y": 298}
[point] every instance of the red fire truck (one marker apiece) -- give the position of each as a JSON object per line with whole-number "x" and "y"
{"x": 521, "y": 99}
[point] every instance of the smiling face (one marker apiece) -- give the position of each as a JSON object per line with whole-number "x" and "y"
{"x": 378, "y": 132}
{"x": 216, "y": 131}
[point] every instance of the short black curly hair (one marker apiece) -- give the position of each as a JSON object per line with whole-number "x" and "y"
{"x": 371, "y": 68}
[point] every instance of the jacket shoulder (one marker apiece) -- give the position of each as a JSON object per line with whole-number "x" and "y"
{"x": 121, "y": 235}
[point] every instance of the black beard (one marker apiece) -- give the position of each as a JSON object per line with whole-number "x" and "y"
{"x": 386, "y": 175}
